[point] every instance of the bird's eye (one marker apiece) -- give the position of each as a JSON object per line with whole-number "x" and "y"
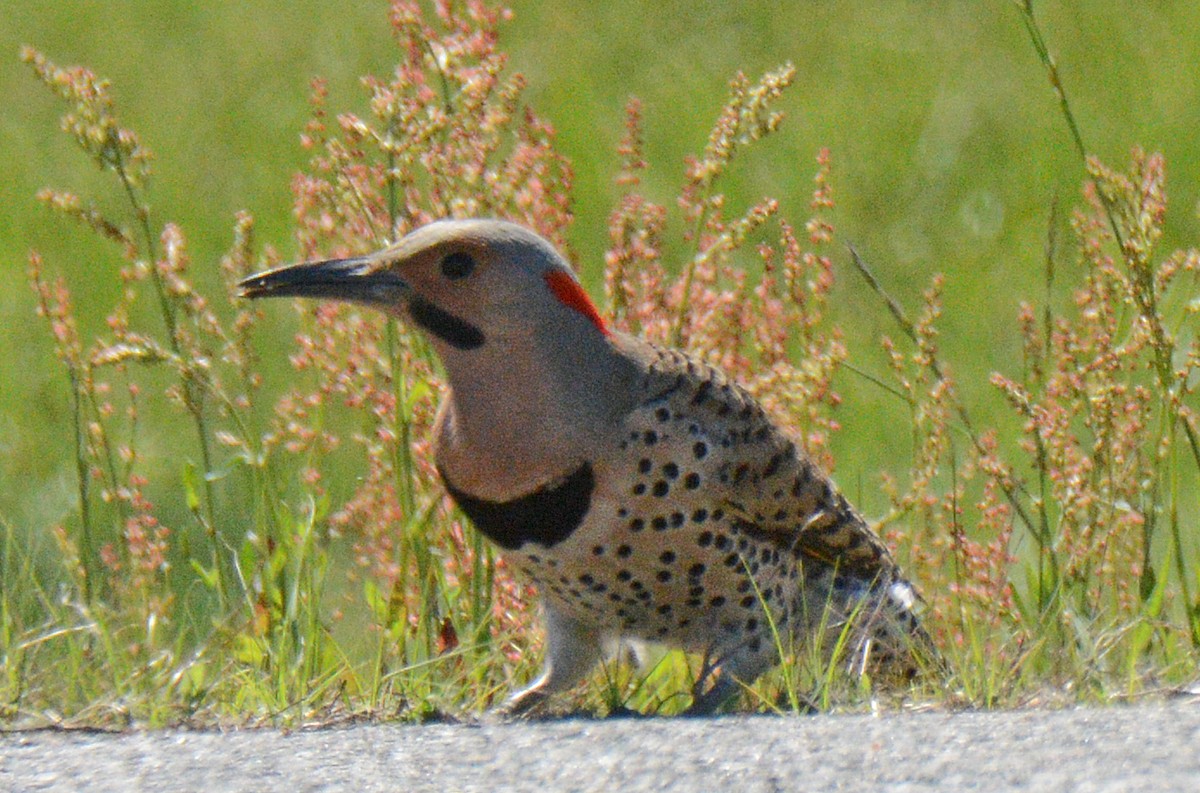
{"x": 457, "y": 265}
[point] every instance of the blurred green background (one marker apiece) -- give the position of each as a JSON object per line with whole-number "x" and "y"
{"x": 948, "y": 152}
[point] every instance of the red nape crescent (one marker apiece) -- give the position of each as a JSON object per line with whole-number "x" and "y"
{"x": 571, "y": 294}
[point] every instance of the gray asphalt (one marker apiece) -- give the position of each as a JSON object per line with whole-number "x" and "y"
{"x": 1148, "y": 747}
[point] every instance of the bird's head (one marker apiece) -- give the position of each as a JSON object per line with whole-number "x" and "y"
{"x": 466, "y": 283}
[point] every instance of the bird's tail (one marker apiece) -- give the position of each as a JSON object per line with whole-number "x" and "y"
{"x": 890, "y": 641}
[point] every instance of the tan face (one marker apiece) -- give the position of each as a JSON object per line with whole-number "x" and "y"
{"x": 462, "y": 282}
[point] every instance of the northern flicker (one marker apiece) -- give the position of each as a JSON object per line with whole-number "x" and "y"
{"x": 646, "y": 495}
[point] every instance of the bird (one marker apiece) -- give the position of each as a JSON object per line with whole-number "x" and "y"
{"x": 645, "y": 495}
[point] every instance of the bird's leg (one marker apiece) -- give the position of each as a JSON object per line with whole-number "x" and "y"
{"x": 724, "y": 687}
{"x": 728, "y": 673}
{"x": 572, "y": 649}
{"x": 706, "y": 703}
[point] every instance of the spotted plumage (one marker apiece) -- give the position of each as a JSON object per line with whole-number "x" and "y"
{"x": 644, "y": 493}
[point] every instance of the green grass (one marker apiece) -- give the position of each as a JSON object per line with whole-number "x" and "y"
{"x": 950, "y": 154}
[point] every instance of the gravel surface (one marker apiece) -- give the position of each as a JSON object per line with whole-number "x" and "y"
{"x": 1147, "y": 747}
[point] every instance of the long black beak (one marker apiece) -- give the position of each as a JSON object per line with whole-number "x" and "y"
{"x": 363, "y": 279}
{"x": 370, "y": 281}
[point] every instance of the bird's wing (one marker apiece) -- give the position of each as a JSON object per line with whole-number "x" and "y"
{"x": 768, "y": 486}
